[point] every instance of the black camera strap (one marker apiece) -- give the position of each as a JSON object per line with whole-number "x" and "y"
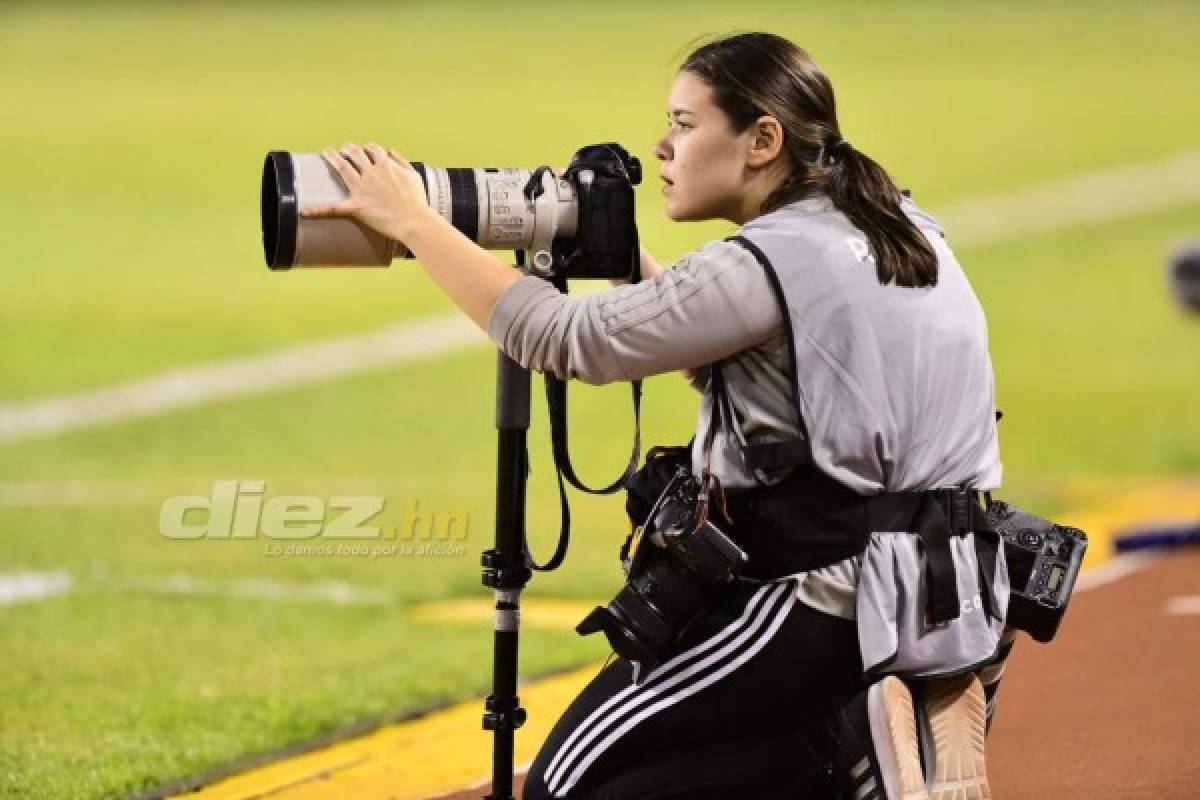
{"x": 721, "y": 416}
{"x": 556, "y": 398}
{"x": 603, "y": 159}
{"x": 556, "y": 401}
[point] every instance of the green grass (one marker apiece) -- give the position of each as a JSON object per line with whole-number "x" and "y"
{"x": 1098, "y": 372}
{"x": 215, "y": 679}
{"x": 132, "y": 139}
{"x": 133, "y": 136}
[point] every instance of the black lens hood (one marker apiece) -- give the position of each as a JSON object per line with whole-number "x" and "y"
{"x": 280, "y": 211}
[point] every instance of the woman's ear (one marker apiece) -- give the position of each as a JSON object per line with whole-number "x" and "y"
{"x": 766, "y": 141}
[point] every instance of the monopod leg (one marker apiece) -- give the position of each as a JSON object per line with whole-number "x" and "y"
{"x": 505, "y": 568}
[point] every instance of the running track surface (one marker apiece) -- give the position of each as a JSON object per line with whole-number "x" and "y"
{"x": 1110, "y": 710}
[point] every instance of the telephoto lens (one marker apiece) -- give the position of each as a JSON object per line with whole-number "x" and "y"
{"x": 500, "y": 209}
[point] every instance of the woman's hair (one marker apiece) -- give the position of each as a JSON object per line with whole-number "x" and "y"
{"x": 757, "y": 74}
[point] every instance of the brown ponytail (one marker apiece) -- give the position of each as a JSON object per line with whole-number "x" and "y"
{"x": 757, "y": 74}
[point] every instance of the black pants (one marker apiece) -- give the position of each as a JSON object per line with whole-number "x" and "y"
{"x": 738, "y": 710}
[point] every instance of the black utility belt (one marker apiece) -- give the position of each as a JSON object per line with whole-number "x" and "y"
{"x": 809, "y": 521}
{"x": 785, "y": 531}
{"x": 690, "y": 540}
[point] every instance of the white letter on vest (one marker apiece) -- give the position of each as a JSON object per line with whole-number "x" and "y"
{"x": 861, "y": 250}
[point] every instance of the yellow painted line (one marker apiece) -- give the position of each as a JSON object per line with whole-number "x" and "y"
{"x": 447, "y": 750}
{"x": 1136, "y": 504}
{"x": 421, "y": 758}
{"x": 556, "y": 614}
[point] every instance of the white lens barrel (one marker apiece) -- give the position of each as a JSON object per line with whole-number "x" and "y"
{"x": 487, "y": 205}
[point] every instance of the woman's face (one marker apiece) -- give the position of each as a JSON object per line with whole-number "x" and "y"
{"x": 703, "y": 160}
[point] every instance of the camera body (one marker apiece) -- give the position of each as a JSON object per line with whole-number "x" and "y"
{"x": 678, "y": 558}
{"x": 698, "y": 545}
{"x": 577, "y": 225}
{"x": 1044, "y": 560}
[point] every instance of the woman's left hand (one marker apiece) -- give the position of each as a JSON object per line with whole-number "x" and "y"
{"x": 386, "y": 193}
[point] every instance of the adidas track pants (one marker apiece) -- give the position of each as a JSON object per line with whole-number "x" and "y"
{"x": 734, "y": 712}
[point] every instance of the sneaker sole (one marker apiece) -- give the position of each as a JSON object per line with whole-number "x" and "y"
{"x": 894, "y": 731}
{"x": 957, "y": 714}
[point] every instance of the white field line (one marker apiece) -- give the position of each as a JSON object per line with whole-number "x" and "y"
{"x": 152, "y": 492}
{"x": 31, "y": 494}
{"x": 193, "y": 386}
{"x": 23, "y": 587}
{"x": 1184, "y": 605}
{"x": 18, "y": 587}
{"x": 1113, "y": 570}
{"x": 1090, "y": 198}
{"x": 27, "y": 586}
{"x": 338, "y": 593}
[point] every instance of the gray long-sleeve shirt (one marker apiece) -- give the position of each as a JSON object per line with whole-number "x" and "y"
{"x": 713, "y": 303}
{"x": 928, "y": 422}
{"x": 717, "y": 302}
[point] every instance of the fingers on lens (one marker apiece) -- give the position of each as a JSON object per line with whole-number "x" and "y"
{"x": 342, "y": 165}
{"x": 355, "y": 156}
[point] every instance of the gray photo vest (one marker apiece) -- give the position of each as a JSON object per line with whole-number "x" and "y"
{"x": 892, "y": 389}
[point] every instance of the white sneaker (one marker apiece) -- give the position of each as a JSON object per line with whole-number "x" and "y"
{"x": 877, "y": 744}
{"x": 953, "y": 715}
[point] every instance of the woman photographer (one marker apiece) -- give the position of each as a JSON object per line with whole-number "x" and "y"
{"x": 848, "y": 400}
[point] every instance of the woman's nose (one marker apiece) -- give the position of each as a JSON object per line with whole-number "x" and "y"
{"x": 661, "y": 151}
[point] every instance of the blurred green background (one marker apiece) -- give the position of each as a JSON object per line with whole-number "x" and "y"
{"x": 131, "y": 139}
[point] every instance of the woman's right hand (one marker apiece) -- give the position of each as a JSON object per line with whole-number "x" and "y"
{"x": 648, "y": 265}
